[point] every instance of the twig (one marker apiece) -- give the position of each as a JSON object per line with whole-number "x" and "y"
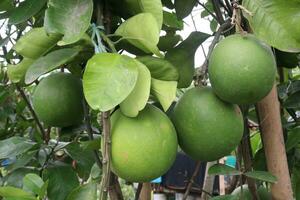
{"x": 90, "y": 132}
{"x": 189, "y": 186}
{"x": 203, "y": 69}
{"x": 138, "y": 191}
{"x": 32, "y": 112}
{"x": 115, "y": 192}
{"x": 247, "y": 154}
{"x": 206, "y": 8}
{"x": 105, "y": 155}
{"x": 218, "y": 12}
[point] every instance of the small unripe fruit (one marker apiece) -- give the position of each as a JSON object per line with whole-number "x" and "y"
{"x": 57, "y": 100}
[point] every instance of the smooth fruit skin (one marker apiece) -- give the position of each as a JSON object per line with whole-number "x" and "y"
{"x": 207, "y": 127}
{"x": 261, "y": 191}
{"x": 242, "y": 69}
{"x": 57, "y": 100}
{"x": 143, "y": 148}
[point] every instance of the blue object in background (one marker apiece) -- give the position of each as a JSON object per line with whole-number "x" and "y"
{"x": 230, "y": 161}
{"x": 157, "y": 180}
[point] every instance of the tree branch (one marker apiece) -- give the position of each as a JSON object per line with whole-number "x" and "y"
{"x": 206, "y": 8}
{"x": 90, "y": 132}
{"x": 35, "y": 117}
{"x": 189, "y": 186}
{"x": 138, "y": 191}
{"x": 217, "y": 9}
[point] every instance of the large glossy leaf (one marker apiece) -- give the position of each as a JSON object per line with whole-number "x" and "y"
{"x": 168, "y": 41}
{"x": 262, "y": 176}
{"x": 84, "y": 159}
{"x": 108, "y": 79}
{"x": 292, "y": 101}
{"x": 6, "y": 5}
{"x": 15, "y": 193}
{"x": 171, "y": 21}
{"x": 184, "y": 7}
{"x": 62, "y": 180}
{"x": 145, "y": 38}
{"x": 49, "y": 62}
{"x": 221, "y": 169}
{"x": 36, "y": 43}
{"x": 14, "y": 146}
{"x": 25, "y": 10}
{"x": 182, "y": 57}
{"x": 16, "y": 73}
{"x": 164, "y": 91}
{"x": 160, "y": 68}
{"x": 32, "y": 183}
{"x": 69, "y": 17}
{"x": 293, "y": 138}
{"x": 88, "y": 191}
{"x": 138, "y": 98}
{"x": 276, "y": 22}
{"x": 129, "y": 8}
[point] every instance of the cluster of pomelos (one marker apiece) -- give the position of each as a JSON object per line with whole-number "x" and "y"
{"x": 206, "y": 122}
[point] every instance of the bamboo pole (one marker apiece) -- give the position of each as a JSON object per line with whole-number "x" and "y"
{"x": 272, "y": 136}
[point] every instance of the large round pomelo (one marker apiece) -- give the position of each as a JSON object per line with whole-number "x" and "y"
{"x": 246, "y": 195}
{"x": 207, "y": 127}
{"x": 57, "y": 100}
{"x": 242, "y": 69}
{"x": 144, "y": 147}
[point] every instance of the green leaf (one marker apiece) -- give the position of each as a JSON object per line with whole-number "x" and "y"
{"x": 145, "y": 38}
{"x": 49, "y": 62}
{"x": 22, "y": 160}
{"x": 168, "y": 41}
{"x": 25, "y": 10}
{"x": 292, "y": 101}
{"x": 87, "y": 191}
{"x": 171, "y": 21}
{"x": 221, "y": 169}
{"x": 16, "y": 193}
{"x": 160, "y": 68}
{"x": 262, "y": 176}
{"x": 129, "y": 8}
{"x": 293, "y": 139}
{"x": 43, "y": 191}
{"x": 91, "y": 144}
{"x": 32, "y": 183}
{"x": 137, "y": 99}
{"x": 16, "y": 73}
{"x": 276, "y": 22}
{"x": 70, "y": 18}
{"x": 225, "y": 197}
{"x": 36, "y": 43}
{"x": 184, "y": 7}
{"x": 164, "y": 91}
{"x": 182, "y": 57}
{"x": 108, "y": 79}
{"x": 14, "y": 146}
{"x": 15, "y": 178}
{"x": 62, "y": 180}
{"x": 83, "y": 157}
{"x": 6, "y": 5}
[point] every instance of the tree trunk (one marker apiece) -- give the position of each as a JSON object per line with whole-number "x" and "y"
{"x": 272, "y": 136}
{"x": 146, "y": 192}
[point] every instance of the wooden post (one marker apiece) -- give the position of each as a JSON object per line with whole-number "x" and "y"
{"x": 146, "y": 192}
{"x": 273, "y": 141}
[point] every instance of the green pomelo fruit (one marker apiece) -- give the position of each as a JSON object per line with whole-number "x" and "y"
{"x": 207, "y": 127}
{"x": 57, "y": 100}
{"x": 144, "y": 147}
{"x": 286, "y": 59}
{"x": 242, "y": 69}
{"x": 246, "y": 194}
